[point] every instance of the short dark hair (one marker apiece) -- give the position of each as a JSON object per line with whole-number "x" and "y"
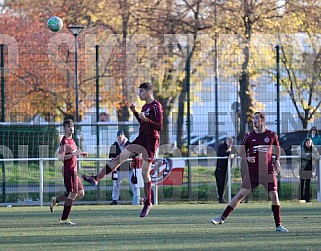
{"x": 120, "y": 133}
{"x": 146, "y": 85}
{"x": 261, "y": 114}
{"x": 68, "y": 122}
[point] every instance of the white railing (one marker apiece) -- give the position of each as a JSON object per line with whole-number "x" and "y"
{"x": 229, "y": 172}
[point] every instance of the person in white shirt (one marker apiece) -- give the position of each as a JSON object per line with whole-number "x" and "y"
{"x": 124, "y": 171}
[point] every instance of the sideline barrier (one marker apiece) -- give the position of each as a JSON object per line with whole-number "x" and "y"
{"x": 171, "y": 173}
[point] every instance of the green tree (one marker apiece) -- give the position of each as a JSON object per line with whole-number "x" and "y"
{"x": 301, "y": 59}
{"x": 243, "y": 19}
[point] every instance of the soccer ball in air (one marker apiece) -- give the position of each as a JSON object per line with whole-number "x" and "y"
{"x": 55, "y": 23}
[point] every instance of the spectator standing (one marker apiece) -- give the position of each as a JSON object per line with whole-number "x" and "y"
{"x": 124, "y": 171}
{"x": 315, "y": 136}
{"x": 225, "y": 149}
{"x": 316, "y": 140}
{"x": 308, "y": 154}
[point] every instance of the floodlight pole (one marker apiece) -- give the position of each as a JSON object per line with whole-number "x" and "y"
{"x": 75, "y": 30}
{"x": 3, "y": 100}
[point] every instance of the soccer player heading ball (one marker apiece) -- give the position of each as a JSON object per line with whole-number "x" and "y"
{"x": 258, "y": 148}
{"x": 150, "y": 124}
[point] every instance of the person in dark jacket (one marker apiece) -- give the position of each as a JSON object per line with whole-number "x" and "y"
{"x": 224, "y": 150}
{"x": 316, "y": 140}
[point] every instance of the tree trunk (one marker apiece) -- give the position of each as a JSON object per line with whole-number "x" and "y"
{"x": 180, "y": 116}
{"x": 245, "y": 88}
{"x": 246, "y": 104}
{"x": 164, "y": 135}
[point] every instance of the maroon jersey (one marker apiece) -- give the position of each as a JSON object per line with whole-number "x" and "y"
{"x": 69, "y": 145}
{"x": 261, "y": 146}
{"x": 154, "y": 112}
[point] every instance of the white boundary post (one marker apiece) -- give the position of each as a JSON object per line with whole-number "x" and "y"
{"x": 41, "y": 181}
{"x": 229, "y": 179}
{"x": 155, "y": 190}
{"x": 155, "y": 194}
{"x": 319, "y": 182}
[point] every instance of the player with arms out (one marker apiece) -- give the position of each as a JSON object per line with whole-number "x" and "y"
{"x": 150, "y": 124}
{"x": 258, "y": 148}
{"x": 68, "y": 153}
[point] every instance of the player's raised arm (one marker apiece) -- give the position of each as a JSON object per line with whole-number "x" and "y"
{"x": 136, "y": 114}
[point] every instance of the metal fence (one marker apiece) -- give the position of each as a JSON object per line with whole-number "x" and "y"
{"x": 40, "y": 86}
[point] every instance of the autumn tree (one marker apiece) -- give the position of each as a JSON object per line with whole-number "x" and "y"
{"x": 301, "y": 58}
{"x": 37, "y": 12}
{"x": 32, "y": 84}
{"x": 243, "y": 19}
{"x": 176, "y": 27}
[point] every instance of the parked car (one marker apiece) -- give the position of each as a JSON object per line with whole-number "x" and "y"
{"x": 206, "y": 140}
{"x": 220, "y": 141}
{"x": 292, "y": 140}
{"x": 200, "y": 143}
{"x": 193, "y": 140}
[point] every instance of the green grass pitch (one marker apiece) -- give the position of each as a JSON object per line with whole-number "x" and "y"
{"x": 168, "y": 227}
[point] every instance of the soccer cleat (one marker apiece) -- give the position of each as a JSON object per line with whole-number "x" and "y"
{"x": 67, "y": 222}
{"x": 217, "y": 220}
{"x": 90, "y": 179}
{"x": 281, "y": 229}
{"x": 145, "y": 210}
{"x": 53, "y": 204}
{"x": 114, "y": 202}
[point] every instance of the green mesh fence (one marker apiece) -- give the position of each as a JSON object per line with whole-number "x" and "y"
{"x": 29, "y": 141}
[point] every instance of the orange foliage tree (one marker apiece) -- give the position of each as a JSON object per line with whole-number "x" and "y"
{"x": 40, "y": 73}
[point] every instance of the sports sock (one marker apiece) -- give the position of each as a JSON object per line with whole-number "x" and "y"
{"x": 277, "y": 214}
{"x": 67, "y": 209}
{"x": 228, "y": 210}
{"x": 148, "y": 192}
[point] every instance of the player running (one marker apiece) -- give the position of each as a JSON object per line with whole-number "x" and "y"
{"x": 151, "y": 122}
{"x": 68, "y": 153}
{"x": 258, "y": 148}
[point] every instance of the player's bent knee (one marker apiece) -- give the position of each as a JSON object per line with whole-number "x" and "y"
{"x": 72, "y": 196}
{"x": 274, "y": 197}
{"x": 146, "y": 175}
{"x": 81, "y": 194}
{"x": 146, "y": 180}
